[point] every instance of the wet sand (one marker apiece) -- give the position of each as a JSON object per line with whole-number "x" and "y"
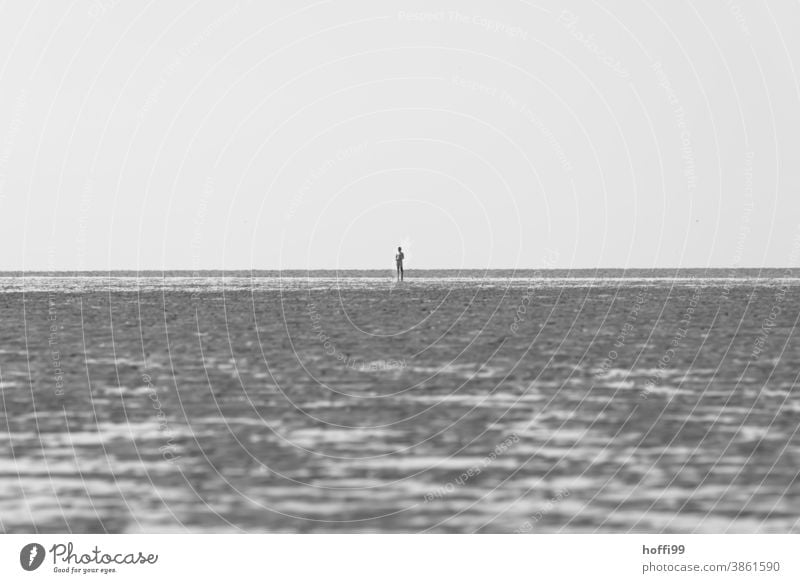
{"x": 442, "y": 405}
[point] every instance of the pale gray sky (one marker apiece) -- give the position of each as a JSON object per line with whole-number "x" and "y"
{"x": 207, "y": 135}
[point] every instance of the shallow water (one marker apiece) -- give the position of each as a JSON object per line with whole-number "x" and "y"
{"x": 343, "y": 403}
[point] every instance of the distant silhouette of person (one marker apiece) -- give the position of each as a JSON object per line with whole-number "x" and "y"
{"x": 398, "y": 258}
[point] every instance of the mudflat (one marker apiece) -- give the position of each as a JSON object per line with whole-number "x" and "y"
{"x": 353, "y": 404}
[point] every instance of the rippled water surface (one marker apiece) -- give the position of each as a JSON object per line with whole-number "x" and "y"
{"x": 340, "y": 403}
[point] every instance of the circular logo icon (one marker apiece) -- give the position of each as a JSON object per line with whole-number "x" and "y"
{"x": 31, "y": 556}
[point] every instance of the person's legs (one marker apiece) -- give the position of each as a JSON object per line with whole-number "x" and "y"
{"x": 401, "y": 272}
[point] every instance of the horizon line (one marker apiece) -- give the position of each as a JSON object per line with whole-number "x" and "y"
{"x": 380, "y": 269}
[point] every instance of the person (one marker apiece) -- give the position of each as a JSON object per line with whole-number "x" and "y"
{"x": 398, "y": 258}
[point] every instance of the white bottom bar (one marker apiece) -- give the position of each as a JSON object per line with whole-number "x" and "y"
{"x": 403, "y": 558}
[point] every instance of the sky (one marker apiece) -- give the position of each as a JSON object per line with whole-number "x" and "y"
{"x": 315, "y": 134}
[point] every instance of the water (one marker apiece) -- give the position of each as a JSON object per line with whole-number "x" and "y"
{"x": 457, "y": 402}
